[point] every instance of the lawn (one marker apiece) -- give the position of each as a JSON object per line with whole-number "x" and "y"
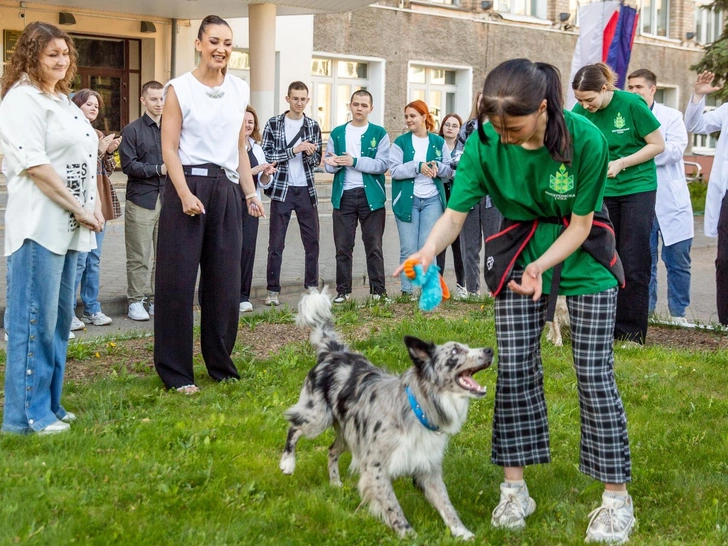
{"x": 145, "y": 466}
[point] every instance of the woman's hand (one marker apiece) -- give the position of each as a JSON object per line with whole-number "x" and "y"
{"x": 702, "y": 84}
{"x": 531, "y": 283}
{"x": 114, "y": 145}
{"x": 423, "y": 256}
{"x": 88, "y": 220}
{"x": 105, "y": 142}
{"x": 429, "y": 169}
{"x": 255, "y": 207}
{"x": 192, "y": 206}
{"x": 615, "y": 167}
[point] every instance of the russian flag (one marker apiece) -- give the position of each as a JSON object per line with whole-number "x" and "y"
{"x": 606, "y": 33}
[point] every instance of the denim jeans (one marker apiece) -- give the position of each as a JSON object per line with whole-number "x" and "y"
{"x": 412, "y": 235}
{"x": 40, "y": 304}
{"x": 677, "y": 262}
{"x": 87, "y": 275}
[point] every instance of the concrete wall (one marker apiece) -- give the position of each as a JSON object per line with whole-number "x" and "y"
{"x": 468, "y": 39}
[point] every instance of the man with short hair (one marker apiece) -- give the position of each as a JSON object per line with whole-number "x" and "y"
{"x": 357, "y": 154}
{"x": 673, "y": 209}
{"x": 141, "y": 161}
{"x": 293, "y": 141}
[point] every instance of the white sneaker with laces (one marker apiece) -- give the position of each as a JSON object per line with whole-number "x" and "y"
{"x": 137, "y": 311}
{"x": 69, "y": 418}
{"x": 97, "y": 319}
{"x": 514, "y": 506}
{"x": 461, "y": 292}
{"x": 381, "y": 298}
{"x": 246, "y": 307}
{"x": 612, "y": 521}
{"x": 681, "y": 321}
{"x": 76, "y": 324}
{"x": 54, "y": 428}
{"x": 71, "y": 335}
{"x": 272, "y": 299}
{"x": 341, "y": 298}
{"x": 151, "y": 309}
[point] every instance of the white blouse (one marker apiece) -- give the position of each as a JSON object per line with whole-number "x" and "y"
{"x": 211, "y": 121}
{"x": 39, "y": 129}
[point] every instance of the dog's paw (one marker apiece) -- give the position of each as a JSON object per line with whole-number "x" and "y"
{"x": 288, "y": 464}
{"x": 462, "y": 533}
{"x": 335, "y": 483}
{"x": 405, "y": 531}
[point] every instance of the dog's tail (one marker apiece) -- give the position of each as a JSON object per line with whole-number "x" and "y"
{"x": 314, "y": 312}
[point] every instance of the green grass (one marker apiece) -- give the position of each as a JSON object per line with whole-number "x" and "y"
{"x": 144, "y": 466}
{"x": 698, "y": 191}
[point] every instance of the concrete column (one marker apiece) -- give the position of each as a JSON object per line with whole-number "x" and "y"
{"x": 262, "y": 29}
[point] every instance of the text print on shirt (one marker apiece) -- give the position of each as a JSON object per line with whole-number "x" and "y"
{"x": 619, "y": 124}
{"x": 75, "y": 175}
{"x": 561, "y": 182}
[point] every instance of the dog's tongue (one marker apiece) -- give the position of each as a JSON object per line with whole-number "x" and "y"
{"x": 470, "y": 383}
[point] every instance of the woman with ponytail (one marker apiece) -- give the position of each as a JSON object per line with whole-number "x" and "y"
{"x": 419, "y": 160}
{"x": 545, "y": 170}
{"x": 634, "y": 139}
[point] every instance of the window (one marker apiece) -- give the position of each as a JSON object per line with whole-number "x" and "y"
{"x": 334, "y": 81}
{"x": 705, "y": 144}
{"x": 436, "y": 86}
{"x": 655, "y": 17}
{"x": 708, "y": 24}
{"x": 667, "y": 96}
{"x": 529, "y": 8}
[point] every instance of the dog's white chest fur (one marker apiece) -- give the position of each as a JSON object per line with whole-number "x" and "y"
{"x": 419, "y": 450}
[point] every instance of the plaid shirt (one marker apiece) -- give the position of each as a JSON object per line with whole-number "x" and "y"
{"x": 275, "y": 149}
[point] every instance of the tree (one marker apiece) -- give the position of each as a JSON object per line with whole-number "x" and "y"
{"x": 716, "y": 54}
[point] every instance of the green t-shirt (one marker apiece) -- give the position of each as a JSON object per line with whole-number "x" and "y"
{"x": 626, "y": 121}
{"x": 528, "y": 184}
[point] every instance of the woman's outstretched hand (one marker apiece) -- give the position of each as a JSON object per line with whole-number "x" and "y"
{"x": 531, "y": 283}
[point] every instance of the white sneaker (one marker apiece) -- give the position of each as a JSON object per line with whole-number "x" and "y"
{"x": 54, "y": 428}
{"x": 246, "y": 307}
{"x": 612, "y": 521}
{"x": 151, "y": 309}
{"x": 137, "y": 311}
{"x": 69, "y": 418}
{"x": 71, "y": 335}
{"x": 681, "y": 321}
{"x": 341, "y": 298}
{"x": 381, "y": 298}
{"x": 272, "y": 299}
{"x": 97, "y": 319}
{"x": 76, "y": 324}
{"x": 461, "y": 292}
{"x": 6, "y": 335}
{"x": 514, "y": 506}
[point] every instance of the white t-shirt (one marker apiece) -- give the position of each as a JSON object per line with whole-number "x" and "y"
{"x": 41, "y": 129}
{"x": 296, "y": 174}
{"x": 353, "y": 178}
{"x": 211, "y": 121}
{"x": 424, "y": 186}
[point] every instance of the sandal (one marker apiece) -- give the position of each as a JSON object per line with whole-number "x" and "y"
{"x": 188, "y": 389}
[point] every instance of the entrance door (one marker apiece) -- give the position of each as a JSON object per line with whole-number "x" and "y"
{"x": 107, "y": 65}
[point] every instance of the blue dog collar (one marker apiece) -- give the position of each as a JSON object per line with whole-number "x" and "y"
{"x": 418, "y": 411}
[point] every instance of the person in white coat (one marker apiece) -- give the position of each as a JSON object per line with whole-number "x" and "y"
{"x": 673, "y": 209}
{"x": 716, "y": 202}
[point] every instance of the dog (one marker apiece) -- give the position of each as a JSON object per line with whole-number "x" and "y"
{"x": 560, "y": 322}
{"x": 393, "y": 425}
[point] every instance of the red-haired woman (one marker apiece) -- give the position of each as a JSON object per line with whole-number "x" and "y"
{"x": 50, "y": 152}
{"x": 419, "y": 160}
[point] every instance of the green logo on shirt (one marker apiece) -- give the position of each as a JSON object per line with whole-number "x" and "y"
{"x": 619, "y": 121}
{"x": 438, "y": 153}
{"x": 562, "y": 181}
{"x": 373, "y": 143}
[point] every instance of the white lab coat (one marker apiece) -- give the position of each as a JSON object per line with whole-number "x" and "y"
{"x": 704, "y": 124}
{"x": 673, "y": 207}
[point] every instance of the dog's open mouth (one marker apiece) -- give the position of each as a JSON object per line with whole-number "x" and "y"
{"x": 465, "y": 381}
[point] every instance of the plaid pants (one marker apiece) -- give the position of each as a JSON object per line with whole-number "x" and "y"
{"x": 520, "y": 423}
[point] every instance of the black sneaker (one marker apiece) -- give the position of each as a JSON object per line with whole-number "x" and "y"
{"x": 341, "y": 298}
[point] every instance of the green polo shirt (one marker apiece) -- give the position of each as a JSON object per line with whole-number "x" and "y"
{"x": 626, "y": 121}
{"x": 529, "y": 184}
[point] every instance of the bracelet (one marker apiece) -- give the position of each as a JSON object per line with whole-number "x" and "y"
{"x": 251, "y": 195}
{"x": 623, "y": 165}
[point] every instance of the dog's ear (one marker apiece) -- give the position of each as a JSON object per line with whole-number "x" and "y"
{"x": 420, "y": 351}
